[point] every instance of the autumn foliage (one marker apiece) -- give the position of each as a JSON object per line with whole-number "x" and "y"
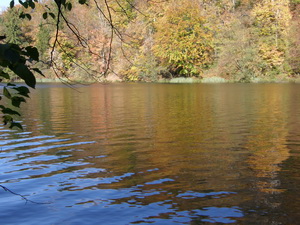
{"x": 240, "y": 40}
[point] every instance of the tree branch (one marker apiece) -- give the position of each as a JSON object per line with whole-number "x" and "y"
{"x": 22, "y": 196}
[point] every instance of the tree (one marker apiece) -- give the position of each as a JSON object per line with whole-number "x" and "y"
{"x": 19, "y": 60}
{"x": 43, "y": 38}
{"x": 271, "y": 20}
{"x": 12, "y": 23}
{"x": 183, "y": 42}
{"x": 177, "y": 37}
{"x": 294, "y": 50}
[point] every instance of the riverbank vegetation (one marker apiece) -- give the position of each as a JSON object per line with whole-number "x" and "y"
{"x": 228, "y": 40}
{"x": 237, "y": 40}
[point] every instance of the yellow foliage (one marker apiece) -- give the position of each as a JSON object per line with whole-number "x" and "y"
{"x": 272, "y": 17}
{"x": 272, "y": 21}
{"x": 182, "y": 40}
{"x": 272, "y": 55}
{"x": 132, "y": 74}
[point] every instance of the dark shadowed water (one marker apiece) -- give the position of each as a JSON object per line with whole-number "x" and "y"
{"x": 121, "y": 154}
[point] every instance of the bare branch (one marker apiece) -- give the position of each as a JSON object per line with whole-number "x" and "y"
{"x": 22, "y": 196}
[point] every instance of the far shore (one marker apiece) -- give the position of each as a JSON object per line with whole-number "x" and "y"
{"x": 177, "y": 80}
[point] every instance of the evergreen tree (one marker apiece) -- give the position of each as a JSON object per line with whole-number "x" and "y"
{"x": 12, "y": 25}
{"x": 43, "y": 38}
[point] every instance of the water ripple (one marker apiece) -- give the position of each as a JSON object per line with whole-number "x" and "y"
{"x": 161, "y": 154}
{"x": 192, "y": 194}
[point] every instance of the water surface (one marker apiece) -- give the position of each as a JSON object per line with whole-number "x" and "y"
{"x": 154, "y": 154}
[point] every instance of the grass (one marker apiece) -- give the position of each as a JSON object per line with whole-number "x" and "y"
{"x": 214, "y": 80}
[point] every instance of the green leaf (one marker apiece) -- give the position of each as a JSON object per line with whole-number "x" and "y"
{"x": 22, "y": 15}
{"x": 24, "y": 4}
{"x": 14, "y": 124}
{"x": 7, "y": 119}
{"x": 4, "y": 75}
{"x": 69, "y": 6}
{"x": 31, "y": 4}
{"x": 16, "y": 101}
{"x": 82, "y": 2}
{"x": 3, "y": 48}
{"x": 11, "y": 55}
{"x": 38, "y": 71}
{"x": 24, "y": 73}
{"x": 10, "y": 112}
{"x": 28, "y": 16}
{"x": 52, "y": 15}
{"x": 33, "y": 53}
{"x": 6, "y": 93}
{"x": 45, "y": 15}
{"x": 22, "y": 90}
{"x": 15, "y": 47}
{"x": 12, "y": 4}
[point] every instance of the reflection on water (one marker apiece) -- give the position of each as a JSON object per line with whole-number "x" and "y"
{"x": 155, "y": 153}
{"x": 268, "y": 146}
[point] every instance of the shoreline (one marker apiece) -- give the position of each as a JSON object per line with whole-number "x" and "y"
{"x": 177, "y": 80}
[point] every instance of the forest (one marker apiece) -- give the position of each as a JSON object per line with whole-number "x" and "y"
{"x": 150, "y": 41}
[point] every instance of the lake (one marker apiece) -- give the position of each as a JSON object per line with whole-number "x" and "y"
{"x": 119, "y": 154}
